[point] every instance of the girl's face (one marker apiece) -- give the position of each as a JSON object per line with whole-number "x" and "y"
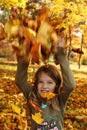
{"x": 45, "y": 84}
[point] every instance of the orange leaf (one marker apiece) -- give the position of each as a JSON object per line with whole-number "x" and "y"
{"x": 16, "y": 50}
{"x": 34, "y": 106}
{"x": 48, "y": 95}
{"x": 35, "y": 52}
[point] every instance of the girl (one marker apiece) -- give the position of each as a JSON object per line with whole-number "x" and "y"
{"x": 47, "y": 81}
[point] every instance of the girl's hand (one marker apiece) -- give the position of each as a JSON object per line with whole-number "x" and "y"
{"x": 61, "y": 40}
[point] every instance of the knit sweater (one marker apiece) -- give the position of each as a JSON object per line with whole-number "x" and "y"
{"x": 53, "y": 119}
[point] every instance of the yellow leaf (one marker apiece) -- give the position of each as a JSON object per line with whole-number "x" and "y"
{"x": 16, "y": 108}
{"x": 44, "y": 34}
{"x": 23, "y": 113}
{"x": 32, "y": 32}
{"x": 37, "y": 118}
{"x": 11, "y": 29}
{"x": 11, "y": 78}
{"x": 48, "y": 95}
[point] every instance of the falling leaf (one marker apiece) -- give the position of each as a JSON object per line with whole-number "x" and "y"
{"x": 44, "y": 34}
{"x": 35, "y": 53}
{"x": 11, "y": 28}
{"x": 77, "y": 50}
{"x": 37, "y": 118}
{"x": 34, "y": 106}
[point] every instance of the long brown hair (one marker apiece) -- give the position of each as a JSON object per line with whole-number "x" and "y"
{"x": 51, "y": 71}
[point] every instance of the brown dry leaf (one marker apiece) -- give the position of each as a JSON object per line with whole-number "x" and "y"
{"x": 77, "y": 50}
{"x": 35, "y": 53}
{"x": 16, "y": 50}
{"x": 2, "y": 32}
{"x": 43, "y": 14}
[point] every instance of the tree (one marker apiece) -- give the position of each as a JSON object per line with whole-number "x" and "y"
{"x": 64, "y": 15}
{"x": 10, "y": 3}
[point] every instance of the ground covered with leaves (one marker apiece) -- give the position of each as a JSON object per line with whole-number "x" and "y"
{"x": 13, "y": 104}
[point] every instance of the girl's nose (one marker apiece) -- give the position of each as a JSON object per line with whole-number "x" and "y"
{"x": 44, "y": 85}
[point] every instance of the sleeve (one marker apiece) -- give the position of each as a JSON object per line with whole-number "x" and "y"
{"x": 22, "y": 77}
{"x": 67, "y": 75}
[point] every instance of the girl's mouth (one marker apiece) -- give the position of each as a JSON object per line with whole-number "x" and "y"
{"x": 44, "y": 91}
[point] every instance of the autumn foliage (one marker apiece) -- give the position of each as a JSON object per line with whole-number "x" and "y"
{"x": 63, "y": 15}
{"x": 13, "y": 105}
{"x": 34, "y": 39}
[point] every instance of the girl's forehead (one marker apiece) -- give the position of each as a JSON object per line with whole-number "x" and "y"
{"x": 42, "y": 73}
{"x": 45, "y": 76}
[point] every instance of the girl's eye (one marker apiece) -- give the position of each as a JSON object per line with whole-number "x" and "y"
{"x": 50, "y": 82}
{"x": 40, "y": 82}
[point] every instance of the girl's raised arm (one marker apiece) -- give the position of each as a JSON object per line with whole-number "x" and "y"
{"x": 21, "y": 76}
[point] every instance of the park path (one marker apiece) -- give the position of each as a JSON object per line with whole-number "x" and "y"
{"x": 75, "y": 67}
{"x": 12, "y": 65}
